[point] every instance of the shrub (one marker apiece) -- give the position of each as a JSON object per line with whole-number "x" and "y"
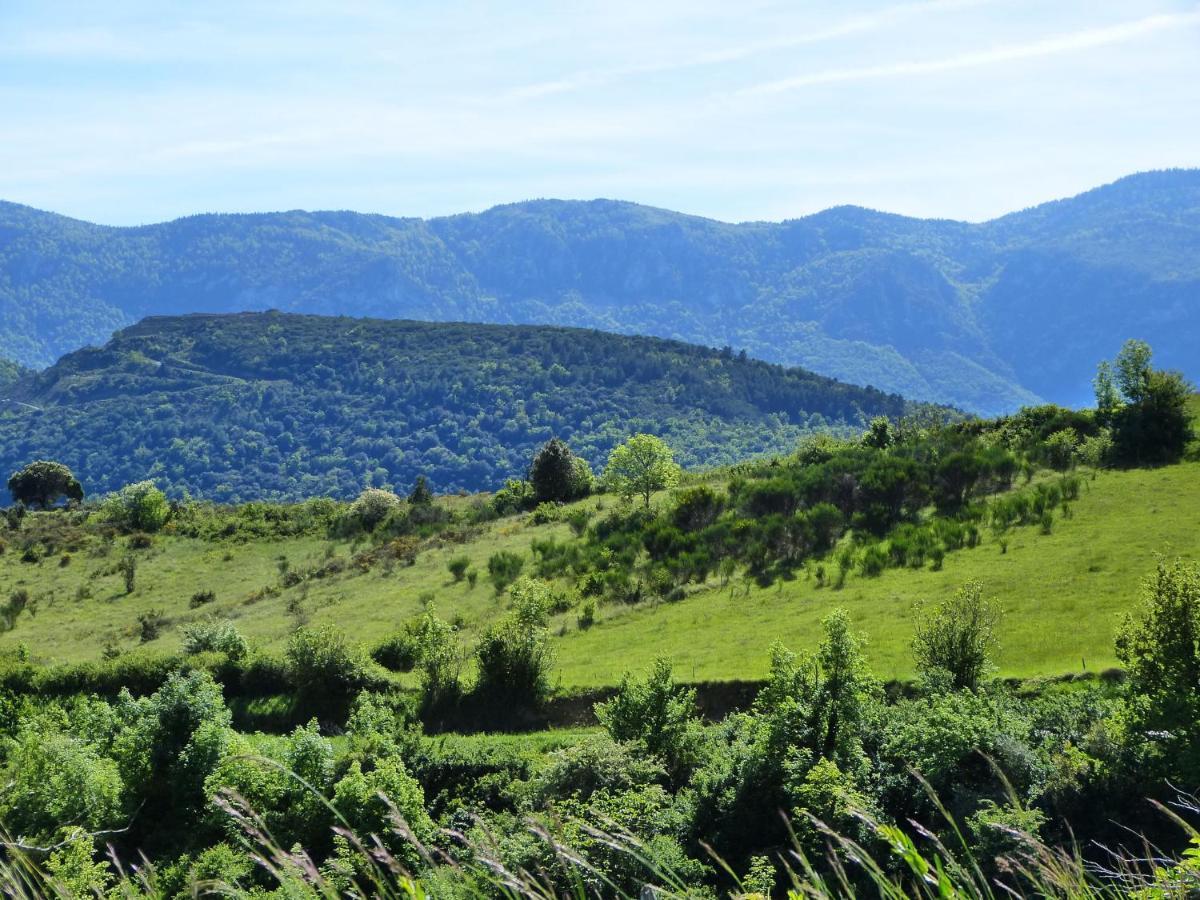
{"x": 200, "y": 598}
{"x": 457, "y": 567}
{"x": 504, "y": 567}
{"x": 324, "y": 669}
{"x": 544, "y": 514}
{"x": 136, "y": 507}
{"x": 659, "y": 715}
{"x": 578, "y": 520}
{"x": 515, "y": 496}
{"x": 514, "y": 656}
{"x": 150, "y": 624}
{"x": 128, "y": 569}
{"x": 372, "y": 506}
{"x": 367, "y": 801}
{"x": 957, "y": 637}
{"x": 213, "y": 635}
{"x": 399, "y": 653}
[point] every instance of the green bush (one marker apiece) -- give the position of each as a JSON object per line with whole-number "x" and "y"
{"x": 504, "y": 567}
{"x": 457, "y": 567}
{"x": 136, "y": 507}
{"x": 514, "y": 656}
{"x": 325, "y": 671}
{"x": 214, "y": 635}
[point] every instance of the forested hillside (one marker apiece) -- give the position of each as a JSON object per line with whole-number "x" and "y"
{"x": 261, "y": 405}
{"x": 983, "y": 316}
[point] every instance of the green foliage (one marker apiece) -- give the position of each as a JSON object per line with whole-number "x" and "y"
{"x": 457, "y": 567}
{"x": 642, "y": 465}
{"x": 387, "y": 803}
{"x": 421, "y": 494}
{"x": 513, "y": 656}
{"x": 42, "y": 483}
{"x": 1149, "y": 418}
{"x": 214, "y": 635}
{"x": 265, "y": 405}
{"x": 55, "y": 778}
{"x": 372, "y": 506}
{"x": 660, "y": 716}
{"x": 504, "y": 567}
{"x": 325, "y": 670}
{"x": 555, "y": 476}
{"x": 1159, "y": 644}
{"x": 136, "y": 507}
{"x": 956, "y": 637}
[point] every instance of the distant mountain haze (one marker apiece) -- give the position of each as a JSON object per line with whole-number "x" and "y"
{"x": 982, "y": 316}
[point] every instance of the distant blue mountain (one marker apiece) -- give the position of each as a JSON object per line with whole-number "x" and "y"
{"x": 984, "y": 316}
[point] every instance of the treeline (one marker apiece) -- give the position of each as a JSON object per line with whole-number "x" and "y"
{"x": 235, "y": 408}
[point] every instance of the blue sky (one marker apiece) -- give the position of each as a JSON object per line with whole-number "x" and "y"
{"x": 124, "y": 112}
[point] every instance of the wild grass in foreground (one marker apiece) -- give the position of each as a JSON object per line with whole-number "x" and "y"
{"x": 884, "y": 860}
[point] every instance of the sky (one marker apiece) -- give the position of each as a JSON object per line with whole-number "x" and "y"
{"x": 128, "y": 112}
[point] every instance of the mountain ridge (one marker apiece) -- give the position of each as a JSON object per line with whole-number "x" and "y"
{"x": 921, "y": 307}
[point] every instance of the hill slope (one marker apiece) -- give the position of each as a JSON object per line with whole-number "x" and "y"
{"x": 983, "y": 316}
{"x": 1061, "y": 594}
{"x": 260, "y": 405}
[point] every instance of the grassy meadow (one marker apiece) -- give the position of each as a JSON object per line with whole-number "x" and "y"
{"x": 1062, "y": 593}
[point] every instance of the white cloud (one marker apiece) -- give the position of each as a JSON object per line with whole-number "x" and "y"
{"x": 1068, "y": 43}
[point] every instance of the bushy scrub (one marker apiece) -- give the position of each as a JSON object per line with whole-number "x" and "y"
{"x": 504, "y": 567}
{"x": 371, "y": 507}
{"x": 325, "y": 670}
{"x": 214, "y": 635}
{"x": 136, "y": 507}
{"x": 514, "y": 656}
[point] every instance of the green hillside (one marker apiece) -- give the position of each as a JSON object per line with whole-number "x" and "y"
{"x": 257, "y": 406}
{"x": 930, "y": 309}
{"x": 1061, "y": 593}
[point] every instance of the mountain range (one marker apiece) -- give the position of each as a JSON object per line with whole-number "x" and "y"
{"x": 271, "y": 405}
{"x": 983, "y": 316}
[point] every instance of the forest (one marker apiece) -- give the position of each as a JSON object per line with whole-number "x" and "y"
{"x": 441, "y": 757}
{"x": 283, "y": 407}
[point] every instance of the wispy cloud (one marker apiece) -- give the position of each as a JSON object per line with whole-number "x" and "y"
{"x": 848, "y": 27}
{"x": 1068, "y": 43}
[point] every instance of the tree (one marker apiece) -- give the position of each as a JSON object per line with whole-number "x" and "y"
{"x": 372, "y": 506}
{"x": 1149, "y": 418}
{"x": 1159, "y": 644}
{"x": 642, "y": 465}
{"x": 1133, "y": 370}
{"x": 1157, "y": 428}
{"x": 42, "y": 483}
{"x": 421, "y": 494}
{"x": 879, "y": 434}
{"x": 956, "y": 637}
{"x": 552, "y": 473}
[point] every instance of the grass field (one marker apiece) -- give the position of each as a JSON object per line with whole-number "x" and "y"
{"x": 1062, "y": 593}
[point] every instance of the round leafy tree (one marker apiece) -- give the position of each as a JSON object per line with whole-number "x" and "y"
{"x": 642, "y": 465}
{"x": 42, "y": 483}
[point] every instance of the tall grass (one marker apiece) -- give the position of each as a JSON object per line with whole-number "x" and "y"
{"x": 913, "y": 862}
